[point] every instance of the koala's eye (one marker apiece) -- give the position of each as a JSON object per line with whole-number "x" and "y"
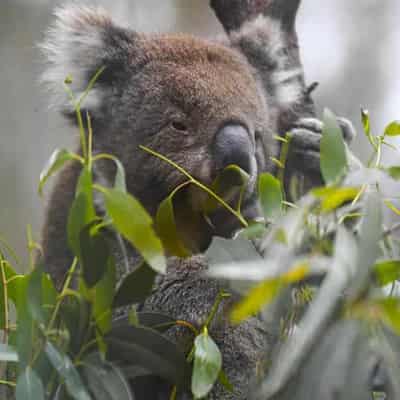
{"x": 179, "y": 126}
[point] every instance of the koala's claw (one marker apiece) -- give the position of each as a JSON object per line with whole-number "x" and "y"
{"x": 316, "y": 125}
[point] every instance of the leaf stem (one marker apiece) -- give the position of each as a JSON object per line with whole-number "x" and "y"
{"x": 5, "y": 300}
{"x": 67, "y": 282}
{"x": 221, "y": 295}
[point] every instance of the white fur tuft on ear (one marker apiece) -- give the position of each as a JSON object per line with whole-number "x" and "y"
{"x": 74, "y": 47}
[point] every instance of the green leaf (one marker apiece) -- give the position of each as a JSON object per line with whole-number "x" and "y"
{"x": 366, "y": 122}
{"x": 207, "y": 365}
{"x": 105, "y": 380}
{"x": 25, "y": 326}
{"x": 263, "y": 294}
{"x": 29, "y": 386}
{"x": 393, "y": 129}
{"x": 270, "y": 195}
{"x": 94, "y": 253}
{"x": 8, "y": 353}
{"x": 63, "y": 365}
{"x": 56, "y": 162}
{"x": 35, "y": 295}
{"x": 370, "y": 234}
{"x": 135, "y": 224}
{"x": 333, "y": 150}
{"x": 147, "y": 349}
{"x": 256, "y": 230}
{"x": 166, "y": 226}
{"x": 8, "y": 274}
{"x": 102, "y": 296}
{"x": 334, "y": 197}
{"x": 394, "y": 172}
{"x": 390, "y": 308}
{"x": 387, "y": 271}
{"x": 135, "y": 287}
{"x": 75, "y": 312}
{"x": 82, "y": 210}
{"x": 230, "y": 183}
{"x": 120, "y": 176}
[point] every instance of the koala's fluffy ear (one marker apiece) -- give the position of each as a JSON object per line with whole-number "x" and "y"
{"x": 82, "y": 41}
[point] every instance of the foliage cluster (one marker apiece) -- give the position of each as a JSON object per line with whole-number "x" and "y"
{"x": 330, "y": 248}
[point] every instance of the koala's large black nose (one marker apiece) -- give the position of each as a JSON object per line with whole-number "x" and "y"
{"x": 233, "y": 146}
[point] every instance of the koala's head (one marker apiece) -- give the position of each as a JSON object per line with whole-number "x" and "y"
{"x": 196, "y": 102}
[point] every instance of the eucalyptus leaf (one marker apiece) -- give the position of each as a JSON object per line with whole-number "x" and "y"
{"x": 334, "y": 197}
{"x": 135, "y": 224}
{"x": 94, "y": 254}
{"x": 120, "y": 176}
{"x": 387, "y": 271}
{"x": 82, "y": 211}
{"x": 8, "y": 274}
{"x": 67, "y": 371}
{"x": 393, "y": 129}
{"x": 29, "y": 386}
{"x": 57, "y": 160}
{"x": 333, "y": 150}
{"x": 135, "y": 287}
{"x": 365, "y": 119}
{"x": 101, "y": 297}
{"x": 148, "y": 350}
{"x": 228, "y": 185}
{"x": 270, "y": 195}
{"x": 394, "y": 172}
{"x": 206, "y": 367}
{"x": 35, "y": 295}
{"x": 166, "y": 226}
{"x": 105, "y": 380}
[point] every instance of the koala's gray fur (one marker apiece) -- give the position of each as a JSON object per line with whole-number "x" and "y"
{"x": 175, "y": 94}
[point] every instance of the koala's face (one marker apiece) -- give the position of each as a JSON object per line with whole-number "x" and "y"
{"x": 197, "y": 103}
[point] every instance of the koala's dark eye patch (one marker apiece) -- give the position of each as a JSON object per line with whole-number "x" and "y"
{"x": 179, "y": 126}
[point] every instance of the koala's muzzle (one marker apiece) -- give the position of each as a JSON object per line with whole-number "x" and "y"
{"x": 233, "y": 146}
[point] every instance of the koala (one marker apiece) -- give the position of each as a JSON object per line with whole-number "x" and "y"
{"x": 205, "y": 104}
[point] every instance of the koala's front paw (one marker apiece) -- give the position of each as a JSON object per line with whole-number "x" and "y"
{"x": 304, "y": 153}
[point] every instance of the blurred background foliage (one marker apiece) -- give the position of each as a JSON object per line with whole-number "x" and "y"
{"x": 351, "y": 47}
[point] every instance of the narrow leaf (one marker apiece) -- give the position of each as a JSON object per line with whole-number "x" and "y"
{"x": 207, "y": 365}
{"x": 56, "y": 162}
{"x": 333, "y": 149}
{"x": 135, "y": 224}
{"x": 63, "y": 365}
{"x": 135, "y": 287}
{"x": 29, "y": 386}
{"x": 334, "y": 197}
{"x": 270, "y": 195}
{"x": 166, "y": 226}
{"x": 147, "y": 349}
{"x": 365, "y": 119}
{"x": 228, "y": 185}
{"x": 105, "y": 380}
{"x": 94, "y": 253}
{"x": 82, "y": 210}
{"x": 263, "y": 294}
